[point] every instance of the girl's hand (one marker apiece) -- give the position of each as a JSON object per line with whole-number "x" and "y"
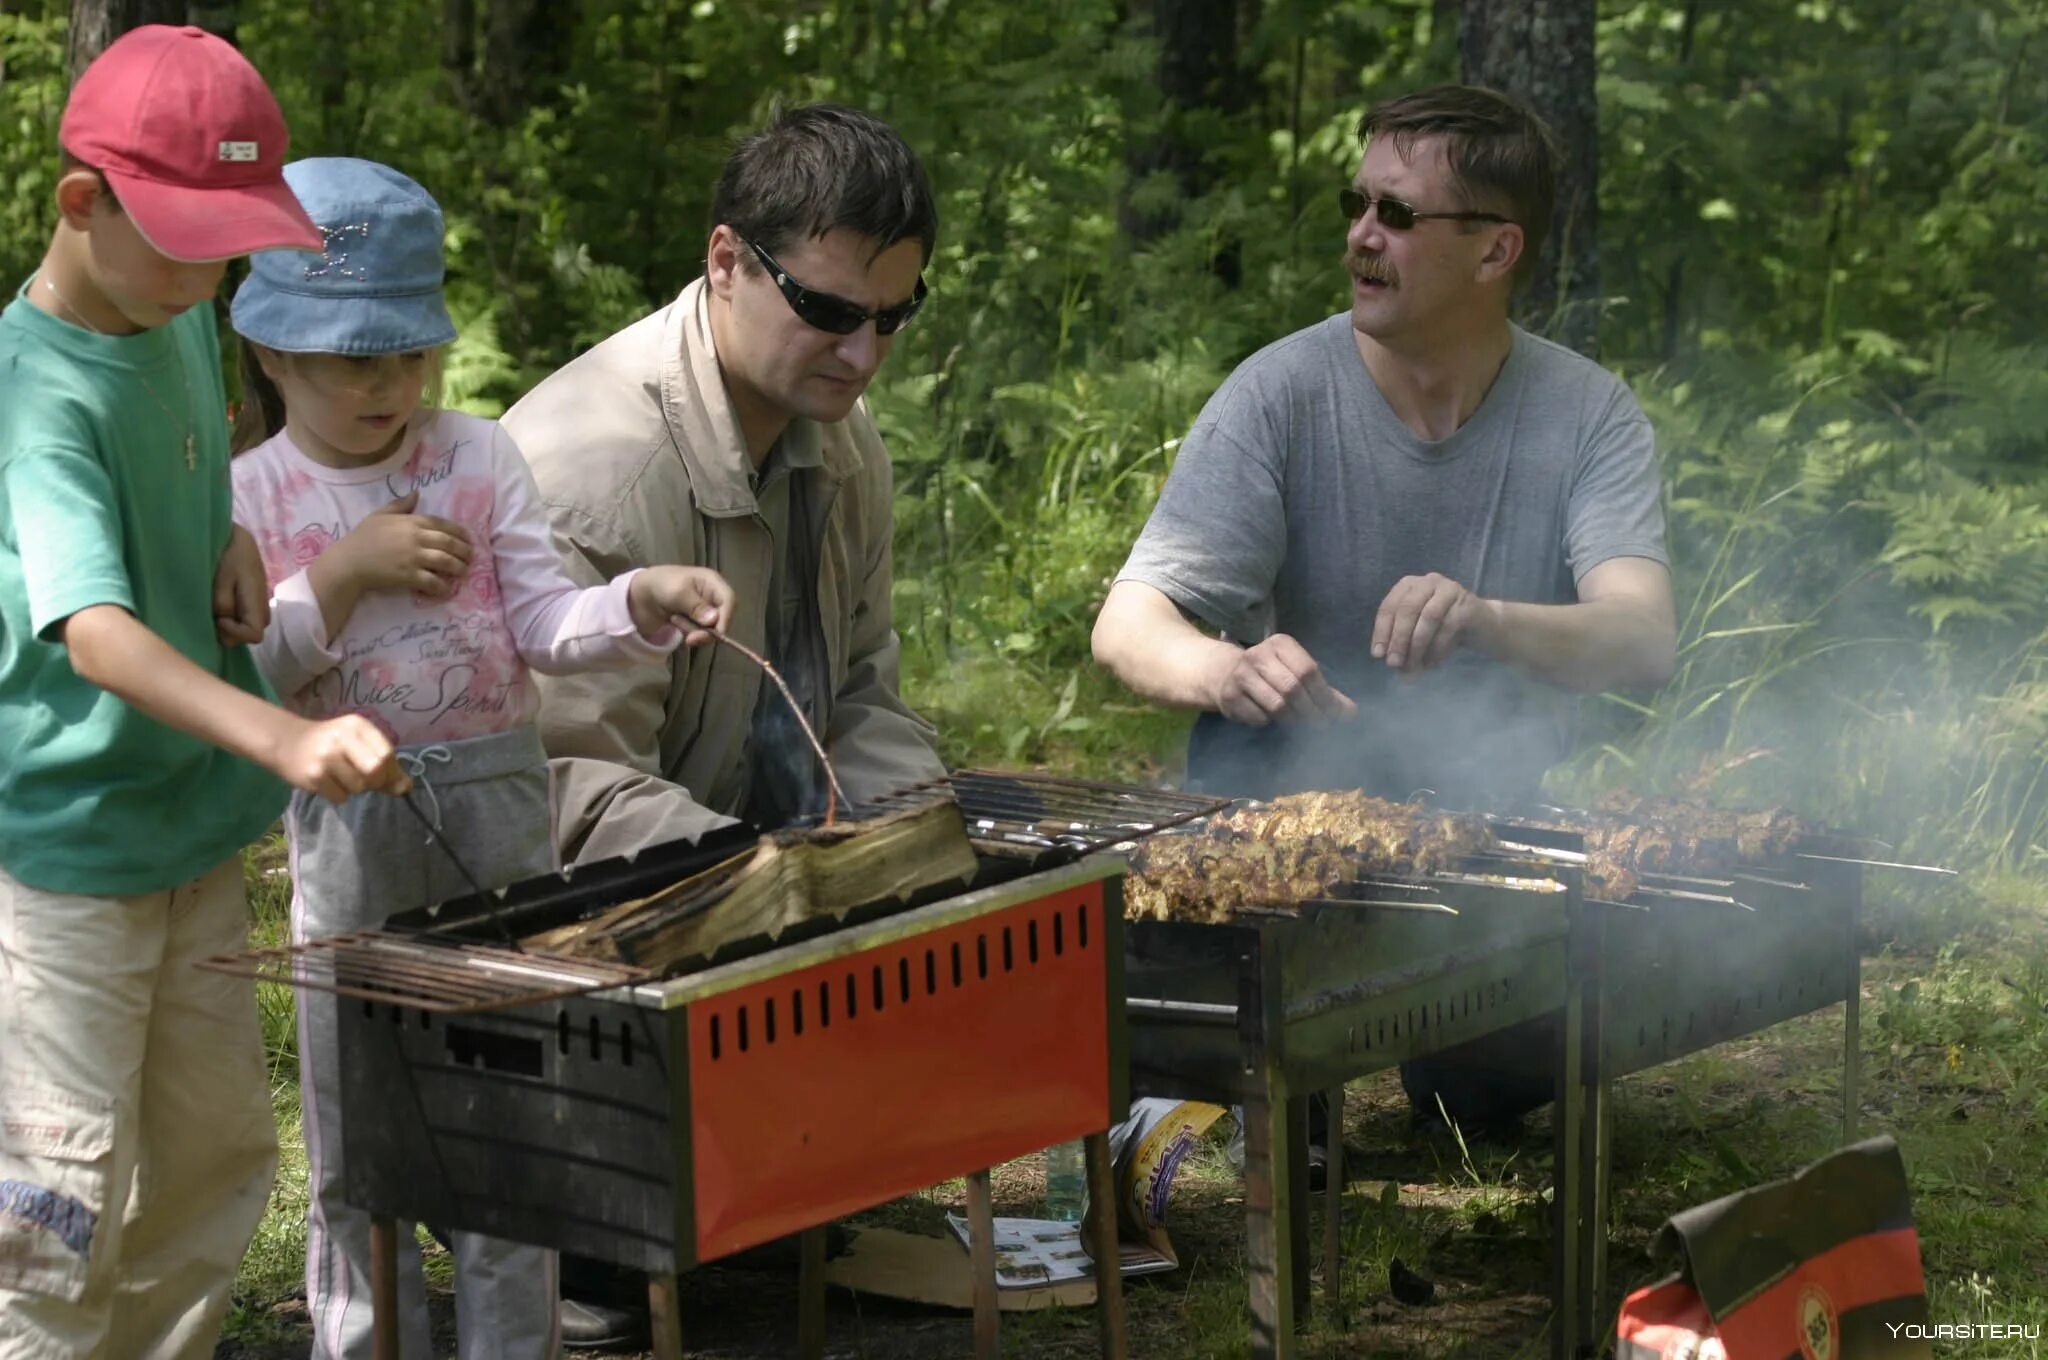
{"x": 396, "y": 549}
{"x": 241, "y": 592}
{"x": 695, "y": 599}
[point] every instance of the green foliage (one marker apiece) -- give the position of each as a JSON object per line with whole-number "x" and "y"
{"x": 1822, "y": 248}
{"x": 1861, "y": 589}
{"x": 32, "y": 83}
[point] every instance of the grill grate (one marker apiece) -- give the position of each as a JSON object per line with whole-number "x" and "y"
{"x": 444, "y": 976}
{"x": 1042, "y": 816}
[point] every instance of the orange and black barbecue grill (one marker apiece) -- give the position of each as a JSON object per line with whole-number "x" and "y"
{"x": 660, "y": 1123}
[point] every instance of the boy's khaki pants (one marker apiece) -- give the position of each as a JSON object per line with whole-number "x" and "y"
{"x": 136, "y": 1137}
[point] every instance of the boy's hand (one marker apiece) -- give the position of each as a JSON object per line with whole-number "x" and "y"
{"x": 241, "y": 592}
{"x": 695, "y": 599}
{"x": 395, "y": 549}
{"x": 339, "y": 758}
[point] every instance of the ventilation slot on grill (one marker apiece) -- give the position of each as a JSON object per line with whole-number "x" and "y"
{"x": 891, "y": 981}
{"x": 489, "y": 1051}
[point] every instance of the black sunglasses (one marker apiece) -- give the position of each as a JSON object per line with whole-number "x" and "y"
{"x": 1398, "y": 216}
{"x": 829, "y": 312}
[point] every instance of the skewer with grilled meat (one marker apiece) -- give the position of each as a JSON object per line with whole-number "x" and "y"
{"x": 1756, "y": 834}
{"x": 1632, "y": 835}
{"x": 1295, "y": 848}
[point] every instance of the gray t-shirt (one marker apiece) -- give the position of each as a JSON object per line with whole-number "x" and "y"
{"x": 1299, "y": 499}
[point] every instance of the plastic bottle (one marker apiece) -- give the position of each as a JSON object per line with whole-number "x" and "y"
{"x": 1066, "y": 1181}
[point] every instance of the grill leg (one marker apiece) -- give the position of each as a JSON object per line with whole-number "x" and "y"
{"x": 810, "y": 1296}
{"x": 384, "y": 1287}
{"x": 1333, "y": 1215}
{"x": 1269, "y": 1158}
{"x": 1852, "y": 1029}
{"x": 665, "y": 1317}
{"x": 1296, "y": 1221}
{"x": 981, "y": 1225}
{"x": 1569, "y": 1191}
{"x": 1600, "y": 1129}
{"x": 1109, "y": 1275}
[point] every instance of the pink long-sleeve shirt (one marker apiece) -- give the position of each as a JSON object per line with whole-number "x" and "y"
{"x": 428, "y": 669}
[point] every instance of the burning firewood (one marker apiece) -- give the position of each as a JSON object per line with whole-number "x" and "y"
{"x": 792, "y": 877}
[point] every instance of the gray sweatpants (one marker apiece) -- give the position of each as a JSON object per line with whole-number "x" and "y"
{"x": 353, "y": 866}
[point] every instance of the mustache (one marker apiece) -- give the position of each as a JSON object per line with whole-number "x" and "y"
{"x": 1367, "y": 265}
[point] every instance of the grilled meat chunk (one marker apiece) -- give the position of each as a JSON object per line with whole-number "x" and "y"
{"x": 1630, "y": 835}
{"x": 1608, "y": 876}
{"x": 1302, "y": 846}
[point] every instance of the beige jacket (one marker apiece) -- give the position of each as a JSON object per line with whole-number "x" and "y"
{"x": 639, "y": 459}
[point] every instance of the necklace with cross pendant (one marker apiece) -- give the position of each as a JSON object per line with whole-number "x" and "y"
{"x": 191, "y": 434}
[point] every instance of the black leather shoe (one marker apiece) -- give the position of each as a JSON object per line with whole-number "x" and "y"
{"x": 602, "y": 1326}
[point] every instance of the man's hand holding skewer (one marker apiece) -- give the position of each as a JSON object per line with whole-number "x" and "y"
{"x": 1278, "y": 681}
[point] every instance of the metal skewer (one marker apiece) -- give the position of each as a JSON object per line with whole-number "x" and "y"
{"x": 440, "y": 838}
{"x": 1661, "y": 878}
{"x": 1382, "y": 904}
{"x": 1880, "y": 864}
{"x": 1524, "y": 849}
{"x": 1754, "y": 877}
{"x": 1683, "y": 895}
{"x": 834, "y": 795}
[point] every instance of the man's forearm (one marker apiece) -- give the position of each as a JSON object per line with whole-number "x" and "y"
{"x": 1179, "y": 672}
{"x": 1142, "y": 638}
{"x": 116, "y": 651}
{"x": 1588, "y": 647}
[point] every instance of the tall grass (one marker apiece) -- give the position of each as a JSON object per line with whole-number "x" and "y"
{"x": 1858, "y": 635}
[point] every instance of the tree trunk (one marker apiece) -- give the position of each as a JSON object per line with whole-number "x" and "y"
{"x": 330, "y": 77}
{"x": 96, "y": 23}
{"x": 217, "y": 17}
{"x": 526, "y": 50}
{"x": 1675, "y": 198}
{"x": 1445, "y": 17}
{"x": 1198, "y": 70}
{"x": 458, "y": 47}
{"x": 1541, "y": 51}
{"x": 501, "y": 74}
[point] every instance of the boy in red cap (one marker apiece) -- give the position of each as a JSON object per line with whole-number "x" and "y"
{"x": 141, "y": 754}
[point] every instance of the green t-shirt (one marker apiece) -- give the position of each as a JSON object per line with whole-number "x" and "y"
{"x": 99, "y": 506}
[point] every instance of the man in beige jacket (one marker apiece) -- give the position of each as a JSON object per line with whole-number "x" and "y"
{"x": 727, "y": 430}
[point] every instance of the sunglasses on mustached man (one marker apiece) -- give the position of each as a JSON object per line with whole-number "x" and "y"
{"x": 1398, "y": 216}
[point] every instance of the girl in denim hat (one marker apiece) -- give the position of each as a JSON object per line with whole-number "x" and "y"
{"x": 414, "y": 581}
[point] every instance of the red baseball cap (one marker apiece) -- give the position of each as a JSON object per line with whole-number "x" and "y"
{"x": 192, "y": 142}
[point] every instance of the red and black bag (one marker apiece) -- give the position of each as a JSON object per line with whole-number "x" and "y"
{"x": 1824, "y": 1266}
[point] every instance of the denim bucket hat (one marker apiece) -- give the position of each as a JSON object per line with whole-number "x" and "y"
{"x": 377, "y": 287}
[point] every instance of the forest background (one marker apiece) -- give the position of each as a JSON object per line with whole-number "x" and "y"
{"x": 1814, "y": 246}
{"x": 1809, "y": 233}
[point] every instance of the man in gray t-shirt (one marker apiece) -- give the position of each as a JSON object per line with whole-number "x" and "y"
{"x": 1301, "y": 501}
{"x": 1396, "y": 544}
